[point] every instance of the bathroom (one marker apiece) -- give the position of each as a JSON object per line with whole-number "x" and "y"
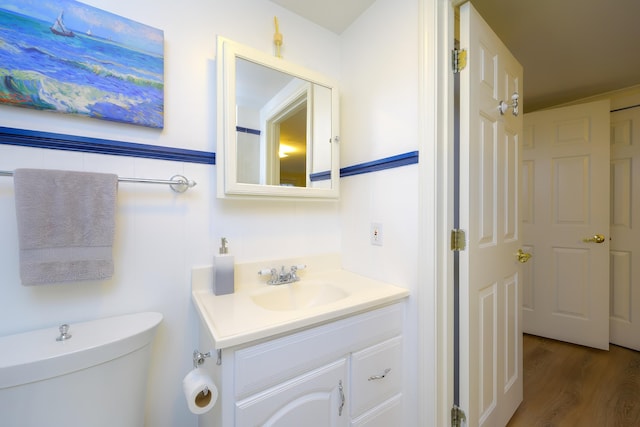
{"x": 161, "y": 235}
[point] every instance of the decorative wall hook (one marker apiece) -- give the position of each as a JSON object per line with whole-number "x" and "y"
{"x": 503, "y": 106}
{"x": 277, "y": 38}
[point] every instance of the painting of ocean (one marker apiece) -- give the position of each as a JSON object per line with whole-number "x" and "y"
{"x": 66, "y": 56}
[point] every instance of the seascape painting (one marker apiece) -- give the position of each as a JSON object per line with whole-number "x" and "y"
{"x": 66, "y": 56}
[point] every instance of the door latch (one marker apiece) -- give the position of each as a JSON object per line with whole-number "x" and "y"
{"x": 523, "y": 256}
{"x": 598, "y": 238}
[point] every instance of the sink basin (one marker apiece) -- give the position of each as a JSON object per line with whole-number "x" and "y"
{"x": 297, "y": 296}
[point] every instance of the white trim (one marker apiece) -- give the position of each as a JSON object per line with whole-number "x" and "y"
{"x": 620, "y": 98}
{"x": 435, "y": 174}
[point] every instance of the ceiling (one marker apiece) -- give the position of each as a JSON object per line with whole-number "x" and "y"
{"x": 570, "y": 49}
{"x": 334, "y": 15}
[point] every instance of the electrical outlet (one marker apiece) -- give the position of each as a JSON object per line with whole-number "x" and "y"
{"x": 376, "y": 234}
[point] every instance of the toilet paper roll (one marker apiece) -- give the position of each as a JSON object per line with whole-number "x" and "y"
{"x": 200, "y": 391}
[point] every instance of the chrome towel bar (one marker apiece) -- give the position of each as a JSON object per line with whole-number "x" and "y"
{"x": 178, "y": 183}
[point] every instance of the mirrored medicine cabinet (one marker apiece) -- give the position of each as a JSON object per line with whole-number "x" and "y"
{"x": 277, "y": 127}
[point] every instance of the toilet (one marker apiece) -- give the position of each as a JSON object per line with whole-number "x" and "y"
{"x": 92, "y": 373}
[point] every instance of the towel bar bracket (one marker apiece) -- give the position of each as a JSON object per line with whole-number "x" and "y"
{"x": 182, "y": 185}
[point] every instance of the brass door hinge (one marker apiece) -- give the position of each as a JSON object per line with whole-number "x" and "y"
{"x": 459, "y": 60}
{"x": 458, "y": 240}
{"x": 457, "y": 416}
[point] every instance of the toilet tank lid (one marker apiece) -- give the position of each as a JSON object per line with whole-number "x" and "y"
{"x": 37, "y": 355}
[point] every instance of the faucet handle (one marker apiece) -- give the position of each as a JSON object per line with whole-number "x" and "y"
{"x": 272, "y": 272}
{"x": 294, "y": 272}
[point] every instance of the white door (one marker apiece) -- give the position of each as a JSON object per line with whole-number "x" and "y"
{"x": 625, "y": 229}
{"x": 490, "y": 278}
{"x": 565, "y": 197}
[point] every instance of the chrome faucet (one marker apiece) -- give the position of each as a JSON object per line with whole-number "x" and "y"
{"x": 282, "y": 277}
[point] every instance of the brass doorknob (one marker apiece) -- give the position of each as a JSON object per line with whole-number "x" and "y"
{"x": 523, "y": 256}
{"x": 598, "y": 238}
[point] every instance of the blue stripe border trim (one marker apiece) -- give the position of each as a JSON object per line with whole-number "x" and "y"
{"x": 409, "y": 158}
{"x": 56, "y": 141}
{"x": 247, "y": 130}
{"x": 320, "y": 176}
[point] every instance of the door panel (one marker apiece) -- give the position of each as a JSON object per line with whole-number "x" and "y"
{"x": 490, "y": 276}
{"x": 570, "y": 190}
{"x": 566, "y": 183}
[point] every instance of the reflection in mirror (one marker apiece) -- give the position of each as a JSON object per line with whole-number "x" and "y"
{"x": 290, "y": 135}
{"x": 278, "y": 115}
{"x": 280, "y": 125}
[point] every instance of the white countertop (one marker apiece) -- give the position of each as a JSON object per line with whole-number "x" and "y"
{"x": 235, "y": 319}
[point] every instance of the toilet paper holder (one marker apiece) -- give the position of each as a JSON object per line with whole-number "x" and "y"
{"x": 199, "y": 358}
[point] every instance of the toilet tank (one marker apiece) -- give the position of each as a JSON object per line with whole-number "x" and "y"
{"x": 97, "y": 377}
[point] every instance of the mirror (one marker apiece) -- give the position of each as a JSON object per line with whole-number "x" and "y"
{"x": 277, "y": 127}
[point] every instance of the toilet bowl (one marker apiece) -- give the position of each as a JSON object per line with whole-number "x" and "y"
{"x": 95, "y": 375}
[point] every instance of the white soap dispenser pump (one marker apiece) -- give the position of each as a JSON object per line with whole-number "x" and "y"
{"x": 223, "y": 274}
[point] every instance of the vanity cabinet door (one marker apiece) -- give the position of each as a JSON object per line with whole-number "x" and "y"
{"x": 314, "y": 399}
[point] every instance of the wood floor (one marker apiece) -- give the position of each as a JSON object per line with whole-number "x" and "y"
{"x": 569, "y": 385}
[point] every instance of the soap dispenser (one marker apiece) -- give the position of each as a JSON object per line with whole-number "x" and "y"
{"x": 223, "y": 275}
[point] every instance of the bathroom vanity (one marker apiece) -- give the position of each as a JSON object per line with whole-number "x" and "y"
{"x": 337, "y": 362}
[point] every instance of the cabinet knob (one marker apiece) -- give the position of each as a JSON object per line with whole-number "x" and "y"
{"x": 379, "y": 377}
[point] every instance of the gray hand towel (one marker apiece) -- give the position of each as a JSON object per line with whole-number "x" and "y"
{"x": 66, "y": 224}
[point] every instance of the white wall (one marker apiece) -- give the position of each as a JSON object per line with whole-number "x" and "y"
{"x": 161, "y": 235}
{"x": 379, "y": 116}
